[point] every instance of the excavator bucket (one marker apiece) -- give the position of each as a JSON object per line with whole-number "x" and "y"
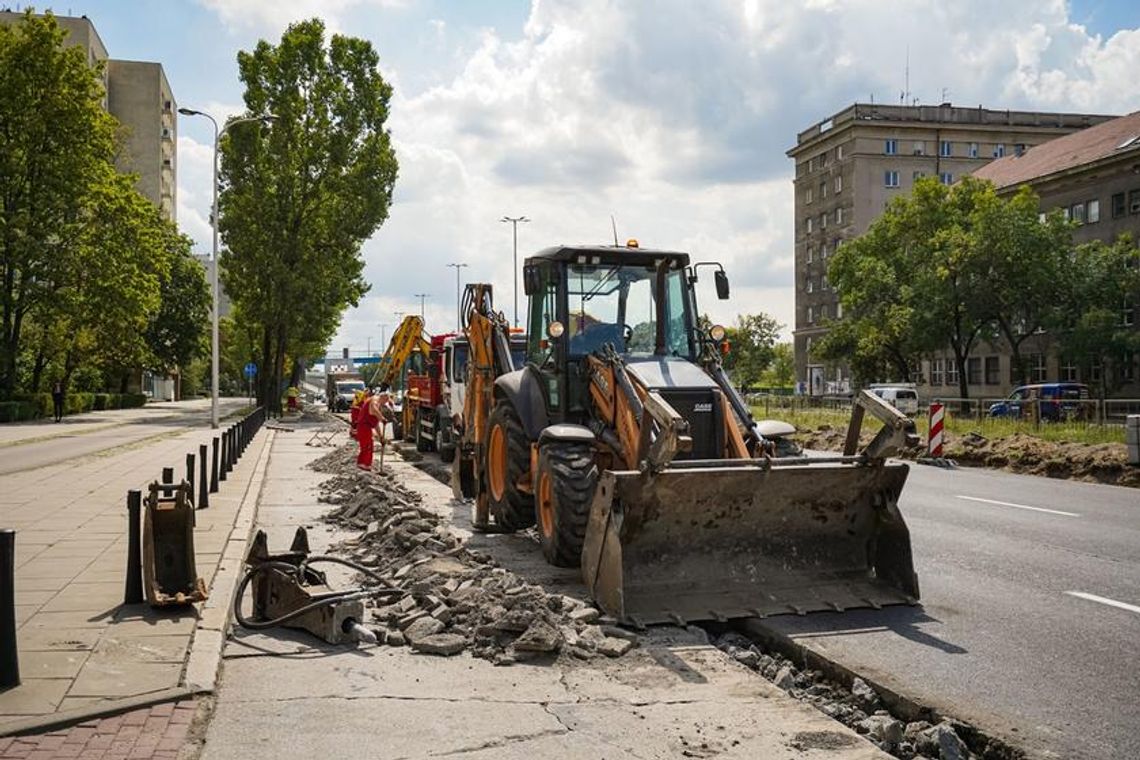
{"x": 728, "y": 539}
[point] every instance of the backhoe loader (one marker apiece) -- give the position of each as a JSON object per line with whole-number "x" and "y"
{"x": 624, "y": 440}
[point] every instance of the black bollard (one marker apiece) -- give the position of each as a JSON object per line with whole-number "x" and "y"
{"x": 232, "y": 459}
{"x": 167, "y": 475}
{"x": 190, "y": 479}
{"x": 214, "y": 467}
{"x": 9, "y": 654}
{"x": 203, "y": 484}
{"x": 134, "y": 589}
{"x": 223, "y": 465}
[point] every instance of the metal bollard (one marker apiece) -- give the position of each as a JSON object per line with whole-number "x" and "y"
{"x": 222, "y": 465}
{"x": 233, "y": 449}
{"x": 167, "y": 475}
{"x": 9, "y": 653}
{"x": 214, "y": 467}
{"x": 134, "y": 588}
{"x": 203, "y": 485}
{"x": 190, "y": 475}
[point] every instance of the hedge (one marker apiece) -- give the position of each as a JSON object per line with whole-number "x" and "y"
{"x": 36, "y": 405}
{"x": 15, "y": 411}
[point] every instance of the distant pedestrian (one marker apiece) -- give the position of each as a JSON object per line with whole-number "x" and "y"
{"x": 57, "y": 399}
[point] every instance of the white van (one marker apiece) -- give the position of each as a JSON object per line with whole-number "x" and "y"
{"x": 901, "y": 396}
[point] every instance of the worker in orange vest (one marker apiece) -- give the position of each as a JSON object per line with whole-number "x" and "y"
{"x": 364, "y": 424}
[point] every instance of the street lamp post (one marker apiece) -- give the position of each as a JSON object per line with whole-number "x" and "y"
{"x": 422, "y": 296}
{"x": 514, "y": 222}
{"x": 458, "y": 315}
{"x": 383, "y": 331}
{"x": 214, "y": 269}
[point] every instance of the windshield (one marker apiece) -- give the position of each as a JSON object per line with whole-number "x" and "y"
{"x": 618, "y": 305}
{"x": 350, "y": 387}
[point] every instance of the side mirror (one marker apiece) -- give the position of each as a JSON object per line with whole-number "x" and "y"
{"x": 721, "y": 284}
{"x": 532, "y": 280}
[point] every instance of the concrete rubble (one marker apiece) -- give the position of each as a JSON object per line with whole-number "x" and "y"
{"x": 454, "y": 599}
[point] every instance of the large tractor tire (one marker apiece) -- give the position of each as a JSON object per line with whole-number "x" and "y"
{"x": 507, "y": 462}
{"x": 567, "y": 479}
{"x": 423, "y": 441}
{"x": 443, "y": 438}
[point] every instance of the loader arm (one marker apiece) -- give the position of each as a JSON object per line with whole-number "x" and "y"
{"x": 407, "y": 340}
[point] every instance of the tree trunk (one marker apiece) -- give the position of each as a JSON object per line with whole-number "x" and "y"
{"x": 278, "y": 368}
{"x": 264, "y": 379}
{"x": 38, "y": 369}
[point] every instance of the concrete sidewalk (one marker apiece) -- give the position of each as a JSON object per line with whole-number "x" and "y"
{"x": 80, "y": 648}
{"x": 13, "y": 433}
{"x": 285, "y": 694}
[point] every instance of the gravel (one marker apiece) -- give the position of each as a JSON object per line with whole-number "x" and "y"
{"x": 448, "y": 589}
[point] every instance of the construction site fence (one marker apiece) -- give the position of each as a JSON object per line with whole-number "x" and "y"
{"x": 1088, "y": 411}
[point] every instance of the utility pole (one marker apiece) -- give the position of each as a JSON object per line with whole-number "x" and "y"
{"x": 458, "y": 315}
{"x": 514, "y": 222}
{"x": 422, "y": 296}
{"x": 383, "y": 331}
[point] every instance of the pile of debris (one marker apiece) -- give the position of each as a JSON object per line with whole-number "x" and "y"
{"x": 858, "y": 707}
{"x": 454, "y": 599}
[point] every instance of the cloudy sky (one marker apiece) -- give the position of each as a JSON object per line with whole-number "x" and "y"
{"x": 672, "y": 115}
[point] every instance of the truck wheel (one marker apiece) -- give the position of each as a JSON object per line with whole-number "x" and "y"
{"x": 443, "y": 443}
{"x": 507, "y": 461}
{"x": 423, "y": 443}
{"x": 567, "y": 479}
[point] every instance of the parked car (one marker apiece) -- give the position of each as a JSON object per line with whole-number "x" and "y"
{"x": 1058, "y": 401}
{"x": 901, "y": 396}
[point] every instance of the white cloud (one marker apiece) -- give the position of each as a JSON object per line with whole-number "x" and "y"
{"x": 275, "y": 15}
{"x": 674, "y": 117}
{"x": 195, "y": 173}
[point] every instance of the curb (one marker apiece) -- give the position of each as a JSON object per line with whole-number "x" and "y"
{"x": 40, "y": 724}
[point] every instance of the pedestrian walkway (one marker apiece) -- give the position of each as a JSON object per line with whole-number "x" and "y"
{"x": 157, "y": 733}
{"x": 12, "y": 433}
{"x": 79, "y": 647}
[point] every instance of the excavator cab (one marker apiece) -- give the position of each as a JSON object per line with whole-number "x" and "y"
{"x": 623, "y": 439}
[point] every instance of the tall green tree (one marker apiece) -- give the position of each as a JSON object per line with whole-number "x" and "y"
{"x": 299, "y": 198}
{"x": 752, "y": 342}
{"x": 782, "y": 372}
{"x": 56, "y": 143}
{"x": 177, "y": 332}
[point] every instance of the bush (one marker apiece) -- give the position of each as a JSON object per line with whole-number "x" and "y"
{"x": 14, "y": 411}
{"x": 101, "y": 402}
{"x": 77, "y": 403}
{"x": 132, "y": 400}
{"x": 40, "y": 401}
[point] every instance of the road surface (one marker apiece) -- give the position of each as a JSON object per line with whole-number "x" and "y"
{"x": 1030, "y": 616}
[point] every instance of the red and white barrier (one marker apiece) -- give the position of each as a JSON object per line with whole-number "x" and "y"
{"x": 934, "y": 438}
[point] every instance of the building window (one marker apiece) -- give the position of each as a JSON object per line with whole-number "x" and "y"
{"x": 810, "y": 315}
{"x": 891, "y": 147}
{"x": 1092, "y": 211}
{"x": 823, "y": 221}
{"x": 916, "y": 176}
{"x": 951, "y": 371}
{"x": 839, "y": 310}
{"x": 936, "y": 371}
{"x": 890, "y": 179}
{"x": 1134, "y": 201}
{"x": 945, "y": 150}
{"x": 839, "y": 153}
{"x": 810, "y": 251}
{"x": 993, "y": 370}
{"x": 823, "y": 252}
{"x": 823, "y": 312}
{"x": 1127, "y": 368}
{"x": 973, "y": 371}
{"x": 999, "y": 150}
{"x": 823, "y": 282}
{"x": 835, "y": 245}
{"x": 1077, "y": 213}
{"x": 1018, "y": 149}
{"x": 946, "y": 178}
{"x": 919, "y": 148}
{"x": 1038, "y": 370}
{"x": 810, "y": 285}
{"x": 1118, "y": 205}
{"x": 809, "y": 225}
{"x": 1096, "y": 371}
{"x": 973, "y": 150}
{"x": 1128, "y": 313}
{"x": 807, "y": 196}
{"x": 839, "y": 215}
{"x": 1068, "y": 370}
{"x": 838, "y": 184}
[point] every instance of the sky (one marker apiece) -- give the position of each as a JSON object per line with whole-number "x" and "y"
{"x": 673, "y": 117}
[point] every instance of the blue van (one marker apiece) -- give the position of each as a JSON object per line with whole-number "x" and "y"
{"x": 1058, "y": 401}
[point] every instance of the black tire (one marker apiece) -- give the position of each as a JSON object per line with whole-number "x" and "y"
{"x": 397, "y": 427}
{"x": 422, "y": 442}
{"x": 443, "y": 443}
{"x": 512, "y": 509}
{"x": 565, "y": 486}
{"x": 464, "y": 477}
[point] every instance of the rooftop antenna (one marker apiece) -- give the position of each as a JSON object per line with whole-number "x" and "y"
{"x": 906, "y": 80}
{"x": 614, "y": 225}
{"x": 945, "y": 93}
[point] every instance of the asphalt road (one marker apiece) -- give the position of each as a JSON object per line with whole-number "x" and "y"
{"x": 28, "y": 446}
{"x": 1029, "y": 625}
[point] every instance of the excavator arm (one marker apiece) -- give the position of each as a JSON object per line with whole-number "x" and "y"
{"x": 406, "y": 341}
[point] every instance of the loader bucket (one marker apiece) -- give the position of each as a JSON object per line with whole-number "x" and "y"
{"x": 739, "y": 540}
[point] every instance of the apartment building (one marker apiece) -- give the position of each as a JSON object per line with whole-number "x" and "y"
{"x": 849, "y": 166}
{"x": 139, "y": 96}
{"x": 1094, "y": 177}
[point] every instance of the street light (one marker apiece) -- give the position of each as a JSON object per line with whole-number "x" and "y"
{"x": 214, "y": 271}
{"x": 458, "y": 315}
{"x": 514, "y": 222}
{"x": 422, "y": 296}
{"x": 383, "y": 328}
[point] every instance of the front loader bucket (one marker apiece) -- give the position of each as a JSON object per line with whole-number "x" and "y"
{"x": 727, "y": 540}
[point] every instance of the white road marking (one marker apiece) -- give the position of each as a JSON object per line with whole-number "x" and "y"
{"x": 1018, "y": 506}
{"x": 1104, "y": 600}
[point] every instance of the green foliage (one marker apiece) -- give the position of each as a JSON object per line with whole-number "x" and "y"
{"x": 300, "y": 197}
{"x": 178, "y": 332}
{"x": 752, "y": 347}
{"x": 17, "y": 411}
{"x": 781, "y": 373}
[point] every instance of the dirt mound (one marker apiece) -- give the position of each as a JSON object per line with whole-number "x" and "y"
{"x": 1096, "y": 463}
{"x": 454, "y": 598}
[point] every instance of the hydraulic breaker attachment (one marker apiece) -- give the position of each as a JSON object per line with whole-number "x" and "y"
{"x": 169, "y": 574}
{"x": 288, "y": 592}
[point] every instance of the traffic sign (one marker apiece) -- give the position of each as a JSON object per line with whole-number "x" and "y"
{"x": 251, "y": 370}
